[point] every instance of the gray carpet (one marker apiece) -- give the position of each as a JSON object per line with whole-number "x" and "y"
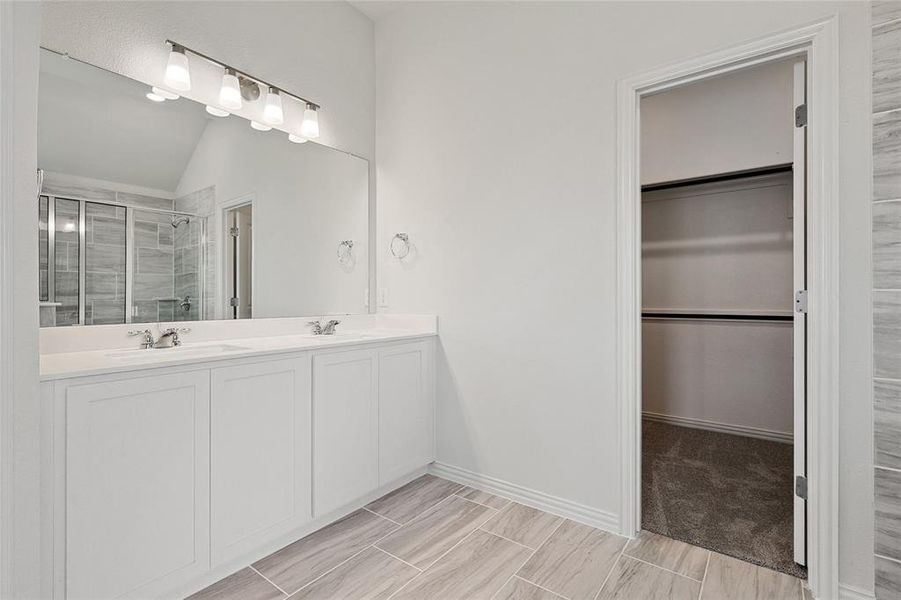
{"x": 729, "y": 493}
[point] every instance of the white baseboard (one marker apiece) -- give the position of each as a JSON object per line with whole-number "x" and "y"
{"x": 850, "y": 592}
{"x": 754, "y": 432}
{"x": 552, "y": 504}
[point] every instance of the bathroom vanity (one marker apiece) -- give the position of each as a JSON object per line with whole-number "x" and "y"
{"x": 164, "y": 470}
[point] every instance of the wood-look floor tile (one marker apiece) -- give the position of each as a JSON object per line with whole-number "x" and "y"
{"x": 370, "y": 575}
{"x": 670, "y": 554}
{"x": 887, "y": 430}
{"x": 520, "y": 589}
{"x": 574, "y": 561}
{"x": 403, "y": 504}
{"x": 424, "y": 539}
{"x": 485, "y": 498}
{"x": 476, "y": 569}
{"x": 523, "y": 524}
{"x": 732, "y": 579}
{"x": 299, "y": 563}
{"x": 888, "y": 513}
{"x": 888, "y": 578}
{"x": 243, "y": 585}
{"x": 633, "y": 579}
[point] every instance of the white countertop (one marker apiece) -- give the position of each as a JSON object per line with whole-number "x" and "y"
{"x": 97, "y": 362}
{"x": 64, "y": 365}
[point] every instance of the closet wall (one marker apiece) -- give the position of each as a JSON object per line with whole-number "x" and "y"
{"x": 719, "y": 248}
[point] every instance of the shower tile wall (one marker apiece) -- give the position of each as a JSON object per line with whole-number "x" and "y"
{"x": 190, "y": 268}
{"x": 104, "y": 264}
{"x": 66, "y": 262}
{"x": 886, "y": 20}
{"x": 153, "y": 292}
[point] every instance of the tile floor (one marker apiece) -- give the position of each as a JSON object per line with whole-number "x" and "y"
{"x": 434, "y": 539}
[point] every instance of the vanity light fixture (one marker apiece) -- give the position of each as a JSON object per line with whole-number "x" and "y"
{"x": 309, "y": 127}
{"x": 216, "y": 111}
{"x": 165, "y": 93}
{"x": 230, "y": 92}
{"x": 272, "y": 112}
{"x": 154, "y": 97}
{"x": 297, "y": 139}
{"x": 238, "y": 87}
{"x": 178, "y": 74}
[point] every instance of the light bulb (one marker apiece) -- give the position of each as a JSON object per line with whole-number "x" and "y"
{"x": 178, "y": 75}
{"x": 230, "y": 92}
{"x": 165, "y": 93}
{"x": 309, "y": 127}
{"x": 217, "y": 112}
{"x": 297, "y": 139}
{"x": 272, "y": 112}
{"x": 153, "y": 96}
{"x": 259, "y": 126}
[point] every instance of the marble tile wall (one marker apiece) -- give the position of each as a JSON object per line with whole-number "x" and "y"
{"x": 104, "y": 264}
{"x": 886, "y": 20}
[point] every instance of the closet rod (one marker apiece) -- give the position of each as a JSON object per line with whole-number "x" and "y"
{"x": 716, "y": 317}
{"x": 669, "y": 185}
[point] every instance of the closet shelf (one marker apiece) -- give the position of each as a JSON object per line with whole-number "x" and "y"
{"x": 717, "y": 315}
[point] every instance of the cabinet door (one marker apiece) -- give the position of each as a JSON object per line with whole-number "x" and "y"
{"x": 137, "y": 485}
{"x": 345, "y": 428}
{"x": 260, "y": 454}
{"x": 405, "y": 410}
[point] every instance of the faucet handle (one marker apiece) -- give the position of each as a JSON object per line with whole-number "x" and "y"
{"x": 139, "y": 332}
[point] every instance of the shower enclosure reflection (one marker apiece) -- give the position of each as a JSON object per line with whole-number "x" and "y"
{"x": 106, "y": 262}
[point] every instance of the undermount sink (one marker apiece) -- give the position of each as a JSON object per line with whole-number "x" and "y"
{"x": 185, "y": 351}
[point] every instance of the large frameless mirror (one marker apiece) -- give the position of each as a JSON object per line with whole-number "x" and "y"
{"x": 155, "y": 210}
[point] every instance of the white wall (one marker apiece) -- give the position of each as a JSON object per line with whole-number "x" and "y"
{"x": 496, "y": 151}
{"x": 729, "y": 123}
{"x": 20, "y": 516}
{"x": 307, "y": 198}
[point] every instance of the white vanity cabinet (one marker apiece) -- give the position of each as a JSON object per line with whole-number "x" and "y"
{"x": 345, "y": 428}
{"x": 406, "y": 409}
{"x": 160, "y": 481}
{"x": 260, "y": 448}
{"x": 137, "y": 484}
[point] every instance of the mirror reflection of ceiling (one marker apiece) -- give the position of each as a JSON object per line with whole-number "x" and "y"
{"x": 124, "y": 137}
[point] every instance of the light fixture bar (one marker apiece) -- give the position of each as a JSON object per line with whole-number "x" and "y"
{"x": 262, "y": 82}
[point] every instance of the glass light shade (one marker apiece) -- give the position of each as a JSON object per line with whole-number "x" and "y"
{"x": 217, "y": 112}
{"x": 154, "y": 97}
{"x": 272, "y": 112}
{"x": 309, "y": 127}
{"x": 178, "y": 75}
{"x": 230, "y": 92}
{"x": 296, "y": 138}
{"x": 165, "y": 93}
{"x": 259, "y": 126}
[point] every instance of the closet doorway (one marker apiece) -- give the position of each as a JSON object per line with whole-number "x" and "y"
{"x": 723, "y": 323}
{"x": 239, "y": 261}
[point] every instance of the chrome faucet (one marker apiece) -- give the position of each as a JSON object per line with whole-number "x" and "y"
{"x": 169, "y": 337}
{"x": 327, "y": 329}
{"x": 147, "y": 342}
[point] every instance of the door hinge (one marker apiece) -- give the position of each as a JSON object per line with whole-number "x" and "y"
{"x": 801, "y": 301}
{"x": 233, "y": 231}
{"x": 801, "y": 115}
{"x": 233, "y": 301}
{"x": 801, "y": 487}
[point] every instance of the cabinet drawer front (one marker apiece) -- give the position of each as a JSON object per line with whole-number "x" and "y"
{"x": 260, "y": 453}
{"x": 345, "y": 428}
{"x": 405, "y": 410}
{"x": 137, "y": 492}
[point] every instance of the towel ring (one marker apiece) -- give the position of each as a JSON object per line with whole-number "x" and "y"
{"x": 400, "y": 245}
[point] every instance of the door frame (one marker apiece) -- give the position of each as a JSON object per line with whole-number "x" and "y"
{"x": 818, "y": 44}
